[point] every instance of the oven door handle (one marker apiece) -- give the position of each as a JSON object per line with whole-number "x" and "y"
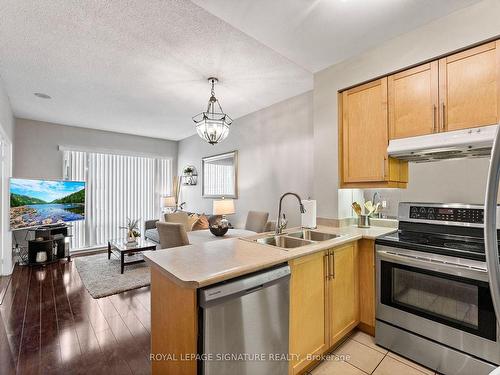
{"x": 490, "y": 224}
{"x": 441, "y": 267}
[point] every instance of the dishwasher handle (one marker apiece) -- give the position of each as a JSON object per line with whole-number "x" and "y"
{"x": 219, "y": 293}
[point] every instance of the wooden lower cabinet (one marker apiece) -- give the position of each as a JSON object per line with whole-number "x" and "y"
{"x": 308, "y": 331}
{"x": 366, "y": 255}
{"x": 324, "y": 303}
{"x": 343, "y": 292}
{"x": 174, "y": 326}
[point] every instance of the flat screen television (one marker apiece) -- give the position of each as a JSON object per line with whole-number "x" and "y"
{"x": 45, "y": 202}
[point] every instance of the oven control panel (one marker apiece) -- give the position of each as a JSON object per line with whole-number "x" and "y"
{"x": 461, "y": 215}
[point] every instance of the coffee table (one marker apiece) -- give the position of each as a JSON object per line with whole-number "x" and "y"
{"x": 119, "y": 246}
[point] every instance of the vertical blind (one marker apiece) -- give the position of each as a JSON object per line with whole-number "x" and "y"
{"x": 117, "y": 187}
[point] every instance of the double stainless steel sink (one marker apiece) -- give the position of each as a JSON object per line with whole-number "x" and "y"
{"x": 300, "y": 238}
{"x": 313, "y": 235}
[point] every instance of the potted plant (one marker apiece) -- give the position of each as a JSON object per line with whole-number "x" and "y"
{"x": 189, "y": 170}
{"x": 132, "y": 228}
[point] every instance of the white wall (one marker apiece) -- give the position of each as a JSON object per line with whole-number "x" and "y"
{"x": 275, "y": 156}
{"x": 36, "y": 148}
{"x": 7, "y": 132}
{"x": 6, "y": 116}
{"x": 459, "y": 29}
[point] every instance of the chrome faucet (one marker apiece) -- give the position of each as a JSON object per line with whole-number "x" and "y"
{"x": 279, "y": 227}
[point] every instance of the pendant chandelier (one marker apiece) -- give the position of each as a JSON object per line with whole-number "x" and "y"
{"x": 213, "y": 124}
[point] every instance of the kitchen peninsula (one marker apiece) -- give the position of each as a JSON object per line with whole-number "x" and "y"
{"x": 339, "y": 270}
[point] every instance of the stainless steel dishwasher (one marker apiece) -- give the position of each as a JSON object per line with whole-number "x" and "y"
{"x": 244, "y": 325}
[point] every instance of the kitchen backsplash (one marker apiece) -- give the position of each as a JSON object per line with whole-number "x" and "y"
{"x": 447, "y": 181}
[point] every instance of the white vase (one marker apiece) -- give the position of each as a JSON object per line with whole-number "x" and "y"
{"x": 131, "y": 239}
{"x": 41, "y": 257}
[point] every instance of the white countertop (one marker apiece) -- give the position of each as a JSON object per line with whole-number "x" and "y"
{"x": 197, "y": 237}
{"x": 203, "y": 264}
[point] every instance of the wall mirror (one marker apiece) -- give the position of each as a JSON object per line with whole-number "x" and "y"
{"x": 220, "y": 175}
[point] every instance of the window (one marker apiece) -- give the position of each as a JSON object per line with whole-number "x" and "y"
{"x": 118, "y": 187}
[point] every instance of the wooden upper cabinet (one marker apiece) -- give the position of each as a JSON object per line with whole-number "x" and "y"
{"x": 365, "y": 133}
{"x": 469, "y": 88}
{"x": 413, "y": 101}
{"x": 366, "y": 256}
{"x": 456, "y": 92}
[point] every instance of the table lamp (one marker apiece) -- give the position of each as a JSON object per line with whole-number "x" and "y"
{"x": 223, "y": 207}
{"x": 168, "y": 203}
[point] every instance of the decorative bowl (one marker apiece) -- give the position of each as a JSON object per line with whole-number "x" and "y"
{"x": 218, "y": 231}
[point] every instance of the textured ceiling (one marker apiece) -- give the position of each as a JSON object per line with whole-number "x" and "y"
{"x": 140, "y": 67}
{"x": 318, "y": 33}
{"x": 136, "y": 67}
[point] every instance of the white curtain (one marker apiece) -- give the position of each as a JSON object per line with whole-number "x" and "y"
{"x": 117, "y": 187}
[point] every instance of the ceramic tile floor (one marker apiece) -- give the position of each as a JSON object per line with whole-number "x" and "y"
{"x": 359, "y": 355}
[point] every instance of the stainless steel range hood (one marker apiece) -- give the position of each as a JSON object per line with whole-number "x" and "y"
{"x": 469, "y": 143}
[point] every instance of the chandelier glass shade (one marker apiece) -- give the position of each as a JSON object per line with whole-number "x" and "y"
{"x": 213, "y": 124}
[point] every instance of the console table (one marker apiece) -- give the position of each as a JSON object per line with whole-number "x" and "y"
{"x": 53, "y": 240}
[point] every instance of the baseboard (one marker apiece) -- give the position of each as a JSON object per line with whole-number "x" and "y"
{"x": 367, "y": 329}
{"x": 8, "y": 273}
{"x": 81, "y": 253}
{"x": 4, "y": 285}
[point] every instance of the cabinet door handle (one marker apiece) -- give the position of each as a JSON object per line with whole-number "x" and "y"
{"x": 434, "y": 118}
{"x": 384, "y": 167}
{"x": 327, "y": 265}
{"x": 332, "y": 266}
{"x": 443, "y": 114}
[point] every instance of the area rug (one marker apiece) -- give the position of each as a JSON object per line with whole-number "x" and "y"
{"x": 102, "y": 277}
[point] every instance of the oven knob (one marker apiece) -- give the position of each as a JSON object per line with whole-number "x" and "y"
{"x": 414, "y": 212}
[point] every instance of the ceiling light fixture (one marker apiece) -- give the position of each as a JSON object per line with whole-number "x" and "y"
{"x": 213, "y": 124}
{"x": 42, "y": 95}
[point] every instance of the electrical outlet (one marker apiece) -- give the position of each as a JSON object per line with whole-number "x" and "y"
{"x": 384, "y": 204}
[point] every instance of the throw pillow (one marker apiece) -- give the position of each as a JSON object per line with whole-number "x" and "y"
{"x": 201, "y": 223}
{"x": 193, "y": 218}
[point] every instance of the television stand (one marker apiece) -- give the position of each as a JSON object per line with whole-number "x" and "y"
{"x": 50, "y": 244}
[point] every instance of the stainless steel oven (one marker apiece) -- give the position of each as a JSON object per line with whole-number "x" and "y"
{"x": 434, "y": 302}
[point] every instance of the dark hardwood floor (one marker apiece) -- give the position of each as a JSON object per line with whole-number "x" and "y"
{"x": 51, "y": 325}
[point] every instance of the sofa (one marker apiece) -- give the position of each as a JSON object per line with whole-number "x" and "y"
{"x": 193, "y": 221}
{"x": 190, "y": 220}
